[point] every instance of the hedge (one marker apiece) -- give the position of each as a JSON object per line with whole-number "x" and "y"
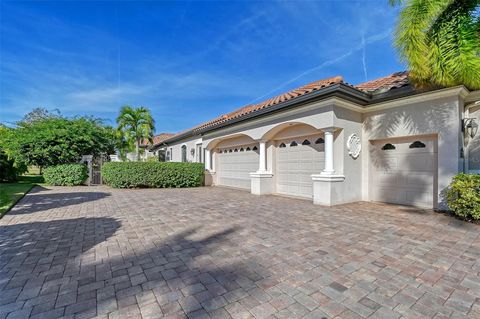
{"x": 152, "y": 174}
{"x": 66, "y": 174}
{"x": 463, "y": 196}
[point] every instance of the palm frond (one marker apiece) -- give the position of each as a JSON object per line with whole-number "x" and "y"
{"x": 439, "y": 40}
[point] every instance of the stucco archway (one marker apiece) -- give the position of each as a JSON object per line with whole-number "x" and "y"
{"x": 293, "y": 129}
{"x": 237, "y": 138}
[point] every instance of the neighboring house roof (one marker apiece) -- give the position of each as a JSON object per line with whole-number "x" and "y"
{"x": 158, "y": 139}
{"x": 368, "y": 90}
{"x": 385, "y": 84}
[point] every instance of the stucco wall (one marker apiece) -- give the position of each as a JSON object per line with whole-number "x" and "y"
{"x": 176, "y": 149}
{"x": 440, "y": 117}
{"x": 351, "y": 188}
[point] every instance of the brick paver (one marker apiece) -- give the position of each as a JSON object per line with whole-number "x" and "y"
{"x": 217, "y": 253}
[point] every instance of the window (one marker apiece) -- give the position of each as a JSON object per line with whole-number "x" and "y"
{"x": 293, "y": 144}
{"x": 306, "y": 142}
{"x": 320, "y": 141}
{"x": 161, "y": 156}
{"x": 199, "y": 153}
{"x": 184, "y": 153}
{"x": 282, "y": 145}
{"x": 168, "y": 157}
{"x": 388, "y": 146}
{"x": 171, "y": 154}
{"x": 417, "y": 144}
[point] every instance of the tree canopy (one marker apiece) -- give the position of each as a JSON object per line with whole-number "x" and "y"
{"x": 440, "y": 41}
{"x": 52, "y": 140}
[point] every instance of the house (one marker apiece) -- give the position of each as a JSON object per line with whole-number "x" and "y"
{"x": 332, "y": 142}
{"x": 149, "y": 150}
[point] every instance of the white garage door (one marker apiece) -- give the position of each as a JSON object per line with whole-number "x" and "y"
{"x": 404, "y": 172}
{"x": 296, "y": 161}
{"x": 235, "y": 164}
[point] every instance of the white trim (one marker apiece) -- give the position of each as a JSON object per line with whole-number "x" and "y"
{"x": 328, "y": 178}
{"x": 261, "y": 174}
{"x": 473, "y": 97}
{"x": 419, "y": 98}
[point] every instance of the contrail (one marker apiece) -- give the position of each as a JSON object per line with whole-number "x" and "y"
{"x": 364, "y": 56}
{"x": 371, "y": 39}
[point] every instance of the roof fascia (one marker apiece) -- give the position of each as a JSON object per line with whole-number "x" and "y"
{"x": 338, "y": 90}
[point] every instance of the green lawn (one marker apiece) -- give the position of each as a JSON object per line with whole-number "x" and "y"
{"x": 10, "y": 193}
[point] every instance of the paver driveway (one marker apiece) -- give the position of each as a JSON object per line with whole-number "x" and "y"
{"x": 86, "y": 252}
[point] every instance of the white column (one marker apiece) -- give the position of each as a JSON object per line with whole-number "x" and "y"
{"x": 208, "y": 165}
{"x": 262, "y": 167}
{"x": 329, "y": 170}
{"x": 213, "y": 164}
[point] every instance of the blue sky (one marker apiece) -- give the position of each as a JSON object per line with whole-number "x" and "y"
{"x": 188, "y": 61}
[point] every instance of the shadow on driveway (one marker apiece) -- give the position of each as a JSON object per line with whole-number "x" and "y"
{"x": 39, "y": 200}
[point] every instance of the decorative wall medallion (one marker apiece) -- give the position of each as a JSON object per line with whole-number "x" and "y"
{"x": 354, "y": 145}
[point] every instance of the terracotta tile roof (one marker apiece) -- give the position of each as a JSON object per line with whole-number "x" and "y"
{"x": 381, "y": 85}
{"x": 385, "y": 84}
{"x": 157, "y": 139}
{"x": 272, "y": 101}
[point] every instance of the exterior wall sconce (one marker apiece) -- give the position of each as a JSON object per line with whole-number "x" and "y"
{"x": 469, "y": 127}
{"x": 192, "y": 151}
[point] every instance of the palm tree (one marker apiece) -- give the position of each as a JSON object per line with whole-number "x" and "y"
{"x": 439, "y": 40}
{"x": 136, "y": 125}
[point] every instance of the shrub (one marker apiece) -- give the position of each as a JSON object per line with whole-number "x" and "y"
{"x": 463, "y": 196}
{"x": 8, "y": 172}
{"x": 152, "y": 174}
{"x": 66, "y": 174}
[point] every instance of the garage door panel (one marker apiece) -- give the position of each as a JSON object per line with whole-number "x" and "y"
{"x": 419, "y": 198}
{"x": 403, "y": 175}
{"x": 419, "y": 162}
{"x": 234, "y": 168}
{"x": 387, "y": 194}
{"x": 419, "y": 179}
{"x": 295, "y": 165}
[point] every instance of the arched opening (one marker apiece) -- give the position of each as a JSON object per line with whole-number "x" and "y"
{"x": 298, "y": 155}
{"x": 235, "y": 158}
{"x": 184, "y": 153}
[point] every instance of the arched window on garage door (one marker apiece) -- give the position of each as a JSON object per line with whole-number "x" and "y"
{"x": 184, "y": 153}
